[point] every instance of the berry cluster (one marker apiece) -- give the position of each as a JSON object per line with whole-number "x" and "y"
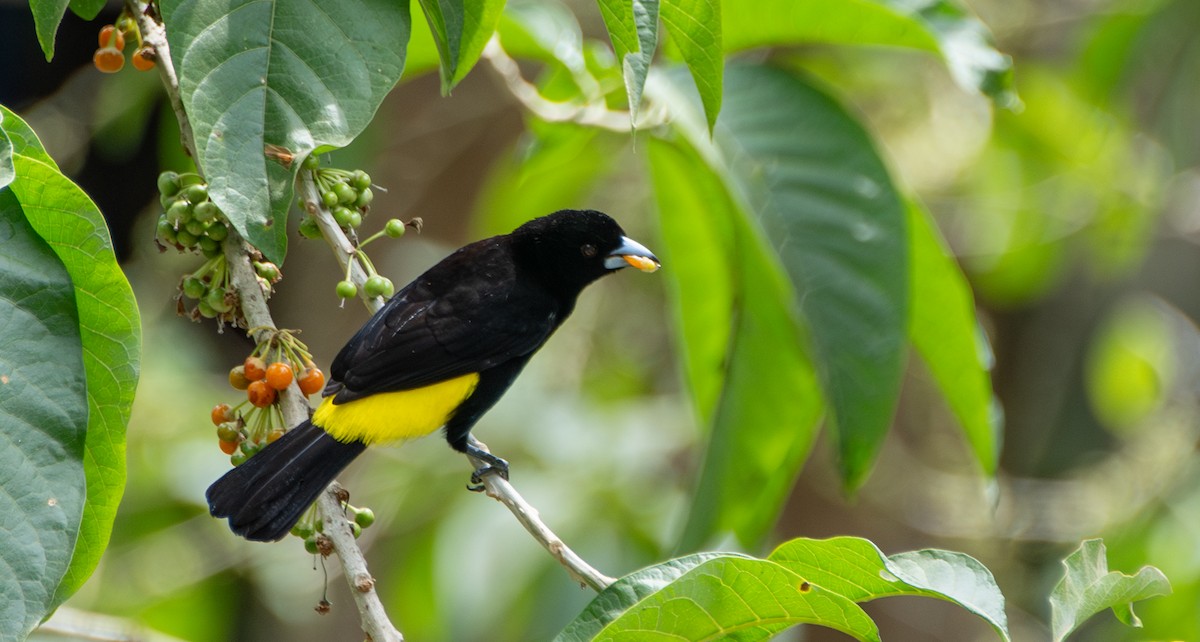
{"x": 272, "y": 367}
{"x": 346, "y": 193}
{"x": 311, "y": 529}
{"x": 190, "y": 221}
{"x": 110, "y": 57}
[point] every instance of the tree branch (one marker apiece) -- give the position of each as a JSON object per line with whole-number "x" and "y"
{"x": 375, "y": 621}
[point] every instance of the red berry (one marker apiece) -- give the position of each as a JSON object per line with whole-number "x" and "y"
{"x": 260, "y": 394}
{"x": 222, "y": 413}
{"x": 279, "y": 375}
{"x": 254, "y": 368}
{"x": 228, "y": 447}
{"x": 110, "y": 37}
{"x": 108, "y": 60}
{"x": 312, "y": 381}
{"x": 144, "y": 59}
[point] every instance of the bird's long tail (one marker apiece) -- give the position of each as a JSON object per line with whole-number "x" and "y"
{"x": 265, "y": 496}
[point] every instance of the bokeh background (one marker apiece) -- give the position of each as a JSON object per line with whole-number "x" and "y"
{"x": 1076, "y": 219}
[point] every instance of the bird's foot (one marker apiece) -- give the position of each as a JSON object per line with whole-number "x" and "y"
{"x": 493, "y": 466}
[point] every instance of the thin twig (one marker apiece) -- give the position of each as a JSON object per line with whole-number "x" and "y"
{"x": 375, "y": 621}
{"x": 495, "y": 486}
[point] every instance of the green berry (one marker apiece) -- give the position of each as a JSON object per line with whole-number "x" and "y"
{"x": 206, "y": 211}
{"x": 310, "y": 544}
{"x": 302, "y": 530}
{"x": 179, "y": 213}
{"x": 206, "y": 311}
{"x": 208, "y": 246}
{"x": 309, "y": 228}
{"x": 343, "y": 216}
{"x": 165, "y": 231}
{"x": 347, "y": 289}
{"x": 185, "y": 238}
{"x": 360, "y": 180}
{"x": 168, "y": 184}
{"x": 354, "y": 220}
{"x": 251, "y": 448}
{"x": 217, "y": 231}
{"x": 346, "y": 194}
{"x": 355, "y": 530}
{"x": 194, "y": 288}
{"x": 211, "y": 253}
{"x": 196, "y": 194}
{"x": 217, "y": 301}
{"x": 194, "y": 227}
{"x": 364, "y": 198}
{"x": 238, "y": 458}
{"x": 395, "y": 228}
{"x": 312, "y": 161}
{"x": 364, "y": 517}
{"x": 375, "y": 286}
{"x": 329, "y": 198}
{"x": 228, "y": 432}
{"x": 267, "y": 270}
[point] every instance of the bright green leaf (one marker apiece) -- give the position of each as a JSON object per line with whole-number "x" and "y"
{"x": 461, "y": 30}
{"x": 945, "y": 331}
{"x": 855, "y": 569}
{"x": 627, "y": 591}
{"x": 47, "y": 14}
{"x": 24, "y": 141}
{"x": 110, "y": 329}
{"x": 633, "y": 28}
{"x": 734, "y": 598}
{"x": 252, "y": 74}
{"x": 87, "y": 9}
{"x": 748, "y": 373}
{"x": 695, "y": 27}
{"x": 1088, "y": 587}
{"x": 826, "y": 202}
{"x": 43, "y": 418}
{"x": 942, "y": 27}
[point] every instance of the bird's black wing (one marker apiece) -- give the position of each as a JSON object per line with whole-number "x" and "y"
{"x": 468, "y": 313}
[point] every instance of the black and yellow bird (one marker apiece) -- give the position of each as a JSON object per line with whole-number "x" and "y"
{"x": 440, "y": 353}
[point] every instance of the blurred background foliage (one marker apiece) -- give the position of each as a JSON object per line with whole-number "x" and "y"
{"x": 1076, "y": 218}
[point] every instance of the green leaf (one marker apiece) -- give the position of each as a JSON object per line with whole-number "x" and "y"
{"x": 732, "y": 598}
{"x": 7, "y": 171}
{"x": 941, "y": 27}
{"x": 553, "y": 170}
{"x": 1088, "y": 587}
{"x": 945, "y": 331}
{"x": 811, "y": 174}
{"x": 87, "y": 9}
{"x": 695, "y": 27}
{"x": 627, "y": 591}
{"x": 110, "y": 330}
{"x": 47, "y": 14}
{"x": 43, "y": 417}
{"x": 855, "y": 569}
{"x": 633, "y": 28}
{"x": 461, "y": 30}
{"x": 748, "y": 373}
{"x": 252, "y": 73}
{"x": 22, "y": 137}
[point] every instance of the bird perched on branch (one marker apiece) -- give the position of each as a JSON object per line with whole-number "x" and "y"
{"x": 440, "y": 353}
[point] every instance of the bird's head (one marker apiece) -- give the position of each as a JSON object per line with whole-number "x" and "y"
{"x": 575, "y": 247}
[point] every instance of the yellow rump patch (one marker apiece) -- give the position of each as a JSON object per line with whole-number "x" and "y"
{"x": 394, "y": 416}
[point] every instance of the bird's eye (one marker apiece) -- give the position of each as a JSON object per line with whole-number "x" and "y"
{"x": 588, "y": 250}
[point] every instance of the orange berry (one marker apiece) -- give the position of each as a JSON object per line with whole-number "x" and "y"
{"x": 260, "y": 394}
{"x": 228, "y": 447}
{"x": 254, "y": 368}
{"x": 222, "y": 413}
{"x": 279, "y": 375}
{"x": 274, "y": 435}
{"x": 144, "y": 59}
{"x": 237, "y": 378}
{"x": 110, "y": 37}
{"x": 108, "y": 60}
{"x": 312, "y": 381}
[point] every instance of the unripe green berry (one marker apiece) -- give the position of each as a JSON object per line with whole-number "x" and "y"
{"x": 194, "y": 288}
{"x": 310, "y": 544}
{"x": 395, "y": 228}
{"x": 355, "y": 530}
{"x": 179, "y": 213}
{"x": 185, "y": 238}
{"x": 343, "y": 215}
{"x": 376, "y": 286}
{"x": 238, "y": 458}
{"x": 354, "y": 220}
{"x": 364, "y": 517}
{"x": 267, "y": 270}
{"x": 360, "y": 180}
{"x": 206, "y": 211}
{"x": 194, "y": 227}
{"x": 217, "y": 301}
{"x": 347, "y": 289}
{"x": 302, "y": 530}
{"x": 329, "y": 198}
{"x": 217, "y": 231}
{"x": 228, "y": 432}
{"x": 364, "y": 198}
{"x": 196, "y": 194}
{"x": 211, "y": 254}
{"x": 312, "y": 161}
{"x": 346, "y": 194}
{"x": 168, "y": 184}
{"x": 206, "y": 311}
{"x": 208, "y": 246}
{"x": 165, "y": 231}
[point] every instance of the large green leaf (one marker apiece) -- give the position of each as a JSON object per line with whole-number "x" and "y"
{"x": 47, "y": 14}
{"x": 633, "y": 28}
{"x": 732, "y": 598}
{"x": 744, "y": 361}
{"x": 43, "y": 418}
{"x": 108, "y": 325}
{"x": 811, "y": 174}
{"x": 695, "y": 28}
{"x": 855, "y": 569}
{"x": 944, "y": 330}
{"x": 942, "y": 27}
{"x": 461, "y": 30}
{"x": 1088, "y": 587}
{"x": 253, "y": 73}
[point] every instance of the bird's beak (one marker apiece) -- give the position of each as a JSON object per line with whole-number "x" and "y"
{"x": 630, "y": 252}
